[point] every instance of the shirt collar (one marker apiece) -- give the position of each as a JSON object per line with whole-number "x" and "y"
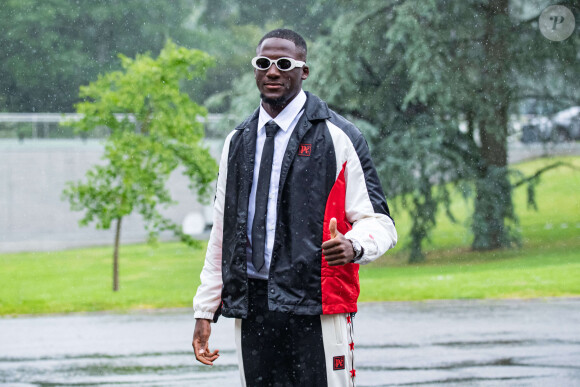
{"x": 286, "y": 116}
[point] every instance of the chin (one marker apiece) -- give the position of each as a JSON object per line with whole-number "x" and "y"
{"x": 279, "y": 101}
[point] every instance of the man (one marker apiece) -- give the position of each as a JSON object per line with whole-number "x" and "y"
{"x": 298, "y": 207}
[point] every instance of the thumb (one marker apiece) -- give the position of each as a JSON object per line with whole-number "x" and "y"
{"x": 332, "y": 228}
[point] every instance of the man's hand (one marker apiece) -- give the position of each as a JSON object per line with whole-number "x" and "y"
{"x": 337, "y": 250}
{"x": 200, "y": 342}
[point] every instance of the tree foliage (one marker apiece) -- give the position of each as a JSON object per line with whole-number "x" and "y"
{"x": 433, "y": 83}
{"x": 229, "y": 31}
{"x": 154, "y": 130}
{"x": 51, "y": 47}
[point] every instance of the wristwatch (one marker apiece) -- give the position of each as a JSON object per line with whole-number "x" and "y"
{"x": 358, "y": 250}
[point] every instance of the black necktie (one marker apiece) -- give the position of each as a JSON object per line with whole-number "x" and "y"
{"x": 262, "y": 191}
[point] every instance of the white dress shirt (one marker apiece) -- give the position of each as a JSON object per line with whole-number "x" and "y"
{"x": 286, "y": 120}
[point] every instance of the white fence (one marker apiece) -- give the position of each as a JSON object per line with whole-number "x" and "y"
{"x": 33, "y": 173}
{"x": 48, "y": 125}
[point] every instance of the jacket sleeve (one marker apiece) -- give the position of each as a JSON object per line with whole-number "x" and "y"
{"x": 365, "y": 204}
{"x": 208, "y": 297}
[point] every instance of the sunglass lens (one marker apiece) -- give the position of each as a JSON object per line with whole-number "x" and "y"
{"x": 283, "y": 64}
{"x": 263, "y": 63}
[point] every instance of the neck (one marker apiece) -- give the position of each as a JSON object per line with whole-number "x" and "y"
{"x": 273, "y": 110}
{"x": 274, "y": 106}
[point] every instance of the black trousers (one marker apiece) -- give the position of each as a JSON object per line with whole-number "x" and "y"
{"x": 280, "y": 349}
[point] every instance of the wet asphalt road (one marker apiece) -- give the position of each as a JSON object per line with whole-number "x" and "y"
{"x": 439, "y": 343}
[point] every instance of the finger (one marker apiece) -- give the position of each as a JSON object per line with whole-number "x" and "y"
{"x": 337, "y": 249}
{"x": 338, "y": 262}
{"x": 332, "y": 260}
{"x": 205, "y": 358}
{"x": 335, "y": 258}
{"x": 212, "y": 356}
{"x": 331, "y": 243}
{"x": 202, "y": 358}
{"x": 332, "y": 228}
{"x": 201, "y": 352}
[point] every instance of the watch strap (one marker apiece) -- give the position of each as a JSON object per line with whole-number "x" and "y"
{"x": 357, "y": 249}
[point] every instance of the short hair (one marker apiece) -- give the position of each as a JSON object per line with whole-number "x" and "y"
{"x": 287, "y": 34}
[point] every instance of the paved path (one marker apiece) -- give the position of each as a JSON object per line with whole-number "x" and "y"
{"x": 448, "y": 343}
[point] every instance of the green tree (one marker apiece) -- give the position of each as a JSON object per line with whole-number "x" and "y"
{"x": 51, "y": 47}
{"x": 230, "y": 29}
{"x": 432, "y": 84}
{"x": 154, "y": 130}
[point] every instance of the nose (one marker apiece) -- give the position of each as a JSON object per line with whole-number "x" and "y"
{"x": 273, "y": 71}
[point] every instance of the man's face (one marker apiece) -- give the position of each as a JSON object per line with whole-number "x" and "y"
{"x": 277, "y": 88}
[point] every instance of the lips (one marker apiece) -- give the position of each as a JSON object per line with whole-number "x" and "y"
{"x": 273, "y": 85}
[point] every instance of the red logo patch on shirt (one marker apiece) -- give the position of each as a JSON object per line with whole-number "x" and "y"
{"x": 338, "y": 363}
{"x": 304, "y": 149}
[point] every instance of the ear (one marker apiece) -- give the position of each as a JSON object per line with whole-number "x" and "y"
{"x": 305, "y": 72}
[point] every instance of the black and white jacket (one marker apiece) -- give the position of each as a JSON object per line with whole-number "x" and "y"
{"x": 327, "y": 172}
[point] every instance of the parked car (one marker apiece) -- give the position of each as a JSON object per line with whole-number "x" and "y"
{"x": 537, "y": 129}
{"x": 566, "y": 124}
{"x": 561, "y": 126}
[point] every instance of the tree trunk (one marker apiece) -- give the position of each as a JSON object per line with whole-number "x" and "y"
{"x": 425, "y": 207}
{"x": 493, "y": 202}
{"x": 116, "y": 256}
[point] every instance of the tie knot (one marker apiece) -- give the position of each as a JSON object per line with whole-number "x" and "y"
{"x": 271, "y": 129}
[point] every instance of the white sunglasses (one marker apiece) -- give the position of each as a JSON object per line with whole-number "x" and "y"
{"x": 283, "y": 64}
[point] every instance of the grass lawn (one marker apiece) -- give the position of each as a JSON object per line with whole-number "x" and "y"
{"x": 547, "y": 265}
{"x": 81, "y": 280}
{"x": 551, "y": 271}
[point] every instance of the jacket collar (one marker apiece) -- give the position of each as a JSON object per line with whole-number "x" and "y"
{"x": 248, "y": 121}
{"x": 315, "y": 109}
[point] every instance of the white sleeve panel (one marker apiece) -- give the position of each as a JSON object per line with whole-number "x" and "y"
{"x": 208, "y": 297}
{"x": 374, "y": 231}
